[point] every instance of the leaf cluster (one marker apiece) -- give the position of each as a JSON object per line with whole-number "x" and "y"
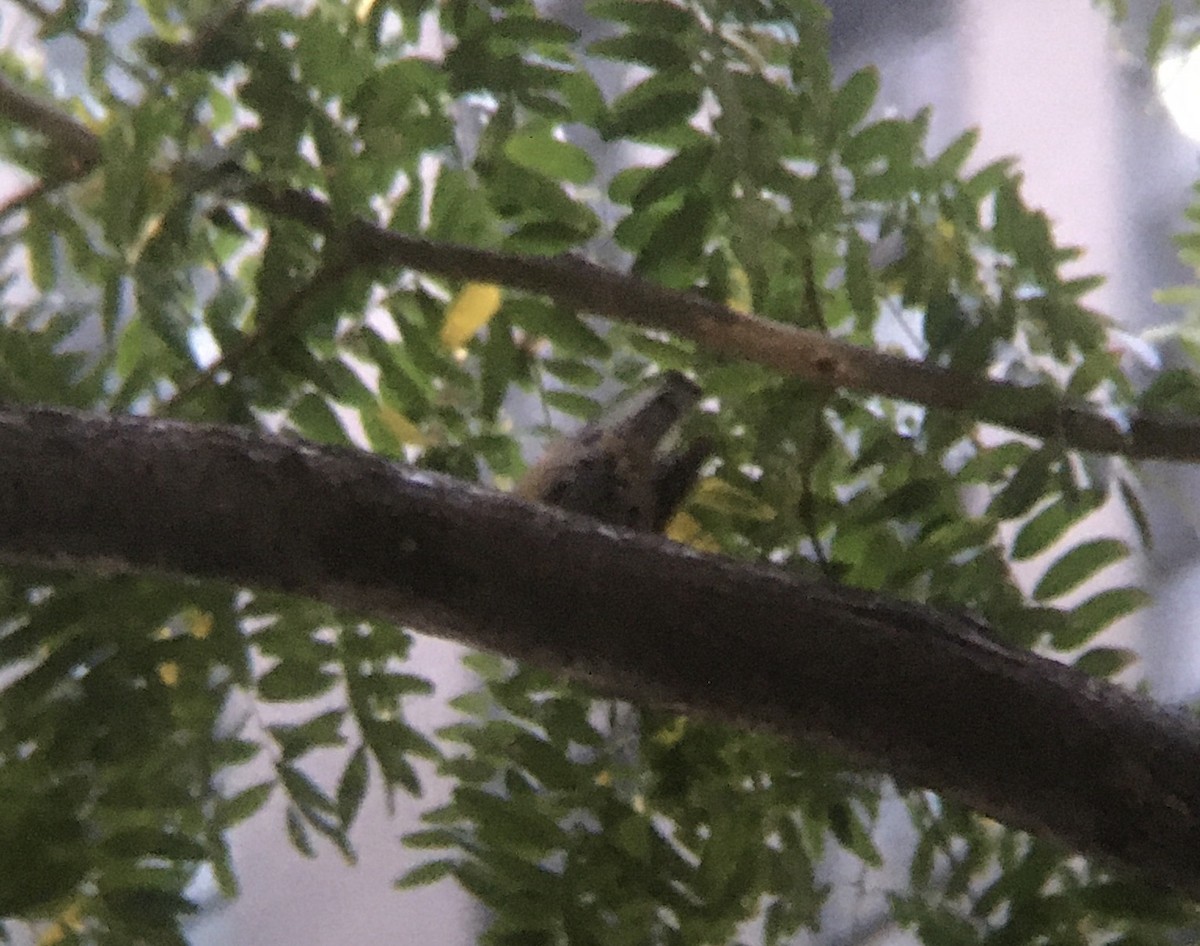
{"x": 131, "y": 736}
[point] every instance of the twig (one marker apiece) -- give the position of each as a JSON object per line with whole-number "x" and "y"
{"x": 71, "y": 139}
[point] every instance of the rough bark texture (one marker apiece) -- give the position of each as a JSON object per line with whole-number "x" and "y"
{"x": 903, "y": 688}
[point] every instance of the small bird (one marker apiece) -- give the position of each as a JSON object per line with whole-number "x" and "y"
{"x": 614, "y": 470}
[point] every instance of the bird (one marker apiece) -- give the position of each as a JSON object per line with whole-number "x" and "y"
{"x": 614, "y": 470}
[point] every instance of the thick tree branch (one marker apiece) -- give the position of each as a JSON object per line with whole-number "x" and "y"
{"x": 577, "y": 283}
{"x": 897, "y": 686}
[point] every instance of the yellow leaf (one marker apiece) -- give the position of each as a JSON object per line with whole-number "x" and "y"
{"x": 684, "y": 529}
{"x": 671, "y": 734}
{"x": 168, "y": 673}
{"x": 470, "y": 312}
{"x": 719, "y": 496}
{"x": 400, "y": 427}
{"x": 151, "y": 227}
{"x": 945, "y": 243}
{"x": 69, "y": 921}
{"x": 199, "y": 623}
{"x": 741, "y": 299}
{"x": 72, "y": 917}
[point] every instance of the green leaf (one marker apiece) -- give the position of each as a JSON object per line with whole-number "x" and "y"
{"x": 569, "y": 402}
{"x": 890, "y": 139}
{"x": 847, "y": 826}
{"x": 424, "y": 874}
{"x": 459, "y": 210}
{"x": 1028, "y": 485}
{"x": 645, "y": 15}
{"x": 245, "y": 803}
{"x": 236, "y": 751}
{"x": 911, "y": 500}
{"x": 656, "y": 104}
{"x": 1077, "y": 566}
{"x": 1106, "y": 662}
{"x": 626, "y": 183}
{"x": 949, "y": 163}
{"x": 536, "y": 149}
{"x": 297, "y": 833}
{"x": 990, "y": 464}
{"x": 547, "y": 237}
{"x": 315, "y": 419}
{"x": 222, "y": 866}
{"x": 1044, "y": 529}
{"x": 577, "y": 374}
{"x": 579, "y": 98}
{"x": 503, "y": 365}
{"x": 1094, "y": 370}
{"x": 391, "y": 743}
{"x": 304, "y": 792}
{"x": 142, "y": 841}
{"x": 42, "y": 255}
{"x": 1133, "y": 505}
{"x": 570, "y": 334}
{"x": 657, "y": 50}
{"x": 352, "y": 787}
{"x": 684, "y": 171}
{"x": 1174, "y": 389}
{"x": 854, "y": 99}
{"x": 1088, "y": 619}
{"x": 525, "y": 30}
{"x": 1024, "y": 232}
{"x": 495, "y": 888}
{"x": 295, "y": 739}
{"x": 676, "y": 241}
{"x": 293, "y": 680}
{"x": 860, "y": 281}
{"x": 432, "y": 838}
{"x": 1160, "y": 32}
{"x": 1186, "y": 296}
{"x": 1082, "y": 285}
{"x": 545, "y": 762}
{"x": 510, "y": 823}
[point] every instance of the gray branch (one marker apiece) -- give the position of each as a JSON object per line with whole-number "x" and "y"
{"x": 893, "y": 685}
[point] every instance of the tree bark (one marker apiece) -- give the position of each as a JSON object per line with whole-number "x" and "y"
{"x": 897, "y": 686}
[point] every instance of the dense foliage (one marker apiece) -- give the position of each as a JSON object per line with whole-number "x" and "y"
{"x": 729, "y": 161}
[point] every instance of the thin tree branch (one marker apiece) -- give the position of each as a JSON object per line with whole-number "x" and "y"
{"x": 923, "y": 694}
{"x": 73, "y": 141}
{"x": 812, "y": 356}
